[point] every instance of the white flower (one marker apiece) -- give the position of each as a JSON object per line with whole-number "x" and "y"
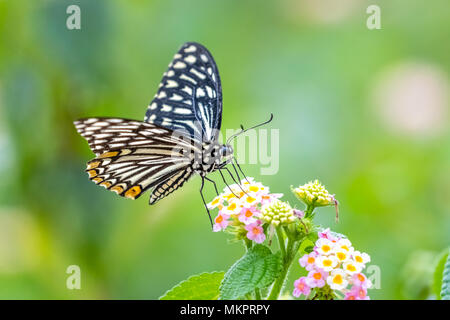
{"x": 344, "y": 244}
{"x": 249, "y": 200}
{"x": 216, "y": 202}
{"x": 337, "y": 280}
{"x": 324, "y": 246}
{"x": 326, "y": 263}
{"x": 351, "y": 268}
{"x": 361, "y": 258}
{"x": 342, "y": 255}
{"x": 234, "y": 207}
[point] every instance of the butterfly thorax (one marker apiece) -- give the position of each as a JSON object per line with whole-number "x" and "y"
{"x": 213, "y": 156}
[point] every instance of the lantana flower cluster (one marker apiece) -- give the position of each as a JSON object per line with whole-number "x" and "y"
{"x": 334, "y": 264}
{"x": 314, "y": 193}
{"x": 244, "y": 208}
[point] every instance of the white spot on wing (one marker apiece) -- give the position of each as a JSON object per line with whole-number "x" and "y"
{"x": 176, "y": 97}
{"x": 179, "y": 65}
{"x": 190, "y": 59}
{"x": 209, "y": 91}
{"x": 200, "y": 93}
{"x": 188, "y": 90}
{"x": 171, "y": 84}
{"x": 166, "y": 108}
{"x": 197, "y": 73}
{"x": 191, "y": 48}
{"x": 182, "y": 111}
{"x": 161, "y": 95}
{"x": 185, "y": 77}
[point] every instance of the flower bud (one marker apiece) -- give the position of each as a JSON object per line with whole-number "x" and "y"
{"x": 278, "y": 213}
{"x": 314, "y": 194}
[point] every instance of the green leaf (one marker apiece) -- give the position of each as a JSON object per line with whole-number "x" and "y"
{"x": 257, "y": 269}
{"x": 203, "y": 286}
{"x": 306, "y": 247}
{"x": 445, "y": 289}
{"x": 438, "y": 273}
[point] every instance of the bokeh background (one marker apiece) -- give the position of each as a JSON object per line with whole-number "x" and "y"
{"x": 365, "y": 111}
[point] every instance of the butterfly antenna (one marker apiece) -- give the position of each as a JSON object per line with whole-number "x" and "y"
{"x": 251, "y": 128}
{"x": 239, "y": 133}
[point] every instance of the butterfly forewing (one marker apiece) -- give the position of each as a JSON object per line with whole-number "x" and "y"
{"x": 190, "y": 95}
{"x": 134, "y": 156}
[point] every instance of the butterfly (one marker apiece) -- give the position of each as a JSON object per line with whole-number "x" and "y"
{"x": 177, "y": 139}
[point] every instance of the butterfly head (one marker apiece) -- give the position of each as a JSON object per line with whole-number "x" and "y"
{"x": 226, "y": 153}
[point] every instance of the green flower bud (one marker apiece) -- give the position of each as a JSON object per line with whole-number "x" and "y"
{"x": 314, "y": 194}
{"x": 277, "y": 213}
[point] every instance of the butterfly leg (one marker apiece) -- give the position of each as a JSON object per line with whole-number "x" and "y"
{"x": 225, "y": 181}
{"x": 232, "y": 177}
{"x": 240, "y": 169}
{"x": 204, "y": 202}
{"x": 214, "y": 183}
{"x": 235, "y": 170}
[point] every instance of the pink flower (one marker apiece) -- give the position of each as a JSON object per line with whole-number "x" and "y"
{"x": 327, "y": 235}
{"x": 247, "y": 215}
{"x": 316, "y": 278}
{"x": 357, "y": 293}
{"x": 299, "y": 213}
{"x": 268, "y": 198}
{"x": 221, "y": 222}
{"x": 308, "y": 261}
{"x": 361, "y": 280}
{"x": 300, "y": 287}
{"x": 255, "y": 232}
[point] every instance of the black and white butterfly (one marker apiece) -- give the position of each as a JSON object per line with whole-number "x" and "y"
{"x": 178, "y": 138}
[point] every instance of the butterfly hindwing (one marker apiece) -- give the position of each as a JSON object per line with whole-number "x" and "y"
{"x": 134, "y": 156}
{"x": 130, "y": 172}
{"x": 190, "y": 95}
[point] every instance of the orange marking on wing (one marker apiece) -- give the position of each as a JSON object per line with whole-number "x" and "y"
{"x": 117, "y": 189}
{"x": 97, "y": 180}
{"x": 133, "y": 192}
{"x": 109, "y": 154}
{"x": 92, "y": 173}
{"x": 106, "y": 184}
{"x": 93, "y": 165}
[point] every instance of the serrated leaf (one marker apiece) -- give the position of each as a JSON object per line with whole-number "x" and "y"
{"x": 438, "y": 273}
{"x": 257, "y": 269}
{"x": 203, "y": 286}
{"x": 445, "y": 289}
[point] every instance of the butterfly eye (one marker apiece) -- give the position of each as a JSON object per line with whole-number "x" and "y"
{"x": 226, "y": 150}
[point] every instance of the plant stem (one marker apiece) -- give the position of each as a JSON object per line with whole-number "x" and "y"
{"x": 281, "y": 242}
{"x": 290, "y": 252}
{"x": 257, "y": 294}
{"x": 309, "y": 211}
{"x": 248, "y": 244}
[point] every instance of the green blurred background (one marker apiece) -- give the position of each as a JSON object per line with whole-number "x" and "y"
{"x": 365, "y": 111}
